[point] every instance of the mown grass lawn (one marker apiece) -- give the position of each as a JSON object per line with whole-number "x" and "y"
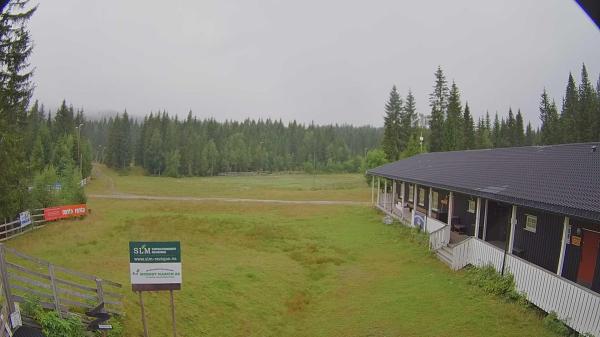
{"x": 347, "y": 187}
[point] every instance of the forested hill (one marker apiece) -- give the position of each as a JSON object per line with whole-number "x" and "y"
{"x": 164, "y": 145}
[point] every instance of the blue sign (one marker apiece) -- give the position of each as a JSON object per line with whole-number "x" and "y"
{"x": 25, "y": 218}
{"x": 57, "y": 186}
{"x": 420, "y": 220}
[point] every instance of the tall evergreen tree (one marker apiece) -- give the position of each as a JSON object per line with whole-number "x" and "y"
{"x": 568, "y": 115}
{"x": 550, "y": 129}
{"x": 529, "y": 136}
{"x": 453, "y": 127}
{"x": 391, "y": 126}
{"x": 496, "y": 137}
{"x": 587, "y": 109}
{"x": 519, "y": 131}
{"x": 469, "y": 129}
{"x": 408, "y": 118}
{"x": 438, "y": 101}
{"x": 15, "y": 91}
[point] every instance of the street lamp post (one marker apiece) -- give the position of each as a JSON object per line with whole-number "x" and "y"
{"x": 421, "y": 141}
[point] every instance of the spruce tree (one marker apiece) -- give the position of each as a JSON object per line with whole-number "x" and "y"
{"x": 519, "y": 131}
{"x": 550, "y": 129}
{"x": 391, "y": 126}
{"x": 469, "y": 129}
{"x": 408, "y": 118}
{"x": 529, "y": 136}
{"x": 511, "y": 134}
{"x": 453, "y": 127}
{"x": 568, "y": 115}
{"x": 15, "y": 91}
{"x": 496, "y": 138}
{"x": 587, "y": 109}
{"x": 438, "y": 101}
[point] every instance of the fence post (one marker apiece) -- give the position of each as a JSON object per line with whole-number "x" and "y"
{"x": 54, "y": 289}
{"x": 5, "y": 282}
{"x": 99, "y": 290}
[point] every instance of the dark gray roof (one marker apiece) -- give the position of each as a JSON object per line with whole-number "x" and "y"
{"x": 563, "y": 179}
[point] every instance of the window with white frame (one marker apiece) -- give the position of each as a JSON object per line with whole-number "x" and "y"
{"x": 472, "y": 206}
{"x": 434, "y": 201}
{"x": 422, "y": 197}
{"x": 411, "y": 192}
{"x": 530, "y": 223}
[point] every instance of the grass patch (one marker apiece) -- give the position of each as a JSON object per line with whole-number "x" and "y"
{"x": 281, "y": 270}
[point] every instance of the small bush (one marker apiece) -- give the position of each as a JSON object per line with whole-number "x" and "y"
{"x": 554, "y": 324}
{"x": 55, "y": 326}
{"x": 492, "y": 282}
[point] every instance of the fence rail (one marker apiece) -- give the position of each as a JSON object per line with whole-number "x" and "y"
{"x": 13, "y": 228}
{"x": 57, "y": 288}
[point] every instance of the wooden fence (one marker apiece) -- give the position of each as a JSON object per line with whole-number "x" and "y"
{"x": 57, "y": 288}
{"x": 13, "y": 228}
{"x": 578, "y": 306}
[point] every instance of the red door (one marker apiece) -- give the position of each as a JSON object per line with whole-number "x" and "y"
{"x": 589, "y": 255}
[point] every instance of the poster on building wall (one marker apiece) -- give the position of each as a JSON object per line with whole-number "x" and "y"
{"x": 420, "y": 220}
{"x": 63, "y": 212}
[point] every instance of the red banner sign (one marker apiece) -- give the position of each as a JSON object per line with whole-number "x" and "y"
{"x": 63, "y": 212}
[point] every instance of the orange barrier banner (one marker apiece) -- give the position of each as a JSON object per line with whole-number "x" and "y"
{"x": 63, "y": 212}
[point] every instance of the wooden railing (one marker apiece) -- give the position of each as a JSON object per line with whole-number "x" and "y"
{"x": 58, "y": 288}
{"x": 439, "y": 238}
{"x": 461, "y": 254}
{"x": 579, "y": 307}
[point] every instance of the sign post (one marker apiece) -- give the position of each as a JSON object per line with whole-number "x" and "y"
{"x": 155, "y": 266}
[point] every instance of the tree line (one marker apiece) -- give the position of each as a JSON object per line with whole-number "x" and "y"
{"x": 451, "y": 125}
{"x": 165, "y": 145}
{"x": 41, "y": 163}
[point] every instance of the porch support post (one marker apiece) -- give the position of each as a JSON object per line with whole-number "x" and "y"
{"x": 563, "y": 246}
{"x": 485, "y": 213}
{"x": 372, "y": 190}
{"x": 450, "y": 208}
{"x": 477, "y": 214}
{"x": 393, "y": 196}
{"x": 412, "y": 218}
{"x": 402, "y": 194}
{"x": 378, "y": 189}
{"x": 429, "y": 205}
{"x": 385, "y": 195}
{"x": 513, "y": 223}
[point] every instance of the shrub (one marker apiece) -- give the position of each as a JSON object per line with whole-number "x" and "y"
{"x": 554, "y": 324}
{"x": 494, "y": 283}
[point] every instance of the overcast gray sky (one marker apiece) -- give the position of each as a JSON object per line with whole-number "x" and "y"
{"x": 327, "y": 61}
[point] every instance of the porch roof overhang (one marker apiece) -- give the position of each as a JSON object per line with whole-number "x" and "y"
{"x": 563, "y": 179}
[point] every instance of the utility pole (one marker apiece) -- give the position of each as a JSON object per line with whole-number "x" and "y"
{"x": 79, "y": 149}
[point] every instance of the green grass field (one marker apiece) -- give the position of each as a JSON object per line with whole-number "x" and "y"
{"x": 348, "y": 187}
{"x": 277, "y": 270}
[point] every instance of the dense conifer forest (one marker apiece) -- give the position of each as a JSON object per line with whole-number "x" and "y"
{"x": 45, "y": 154}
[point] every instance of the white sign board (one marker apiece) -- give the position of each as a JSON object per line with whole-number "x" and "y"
{"x": 155, "y": 265}
{"x": 25, "y": 218}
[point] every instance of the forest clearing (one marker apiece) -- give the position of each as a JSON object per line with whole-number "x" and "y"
{"x": 277, "y": 270}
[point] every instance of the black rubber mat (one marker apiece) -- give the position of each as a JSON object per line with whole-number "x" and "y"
{"x": 28, "y": 332}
